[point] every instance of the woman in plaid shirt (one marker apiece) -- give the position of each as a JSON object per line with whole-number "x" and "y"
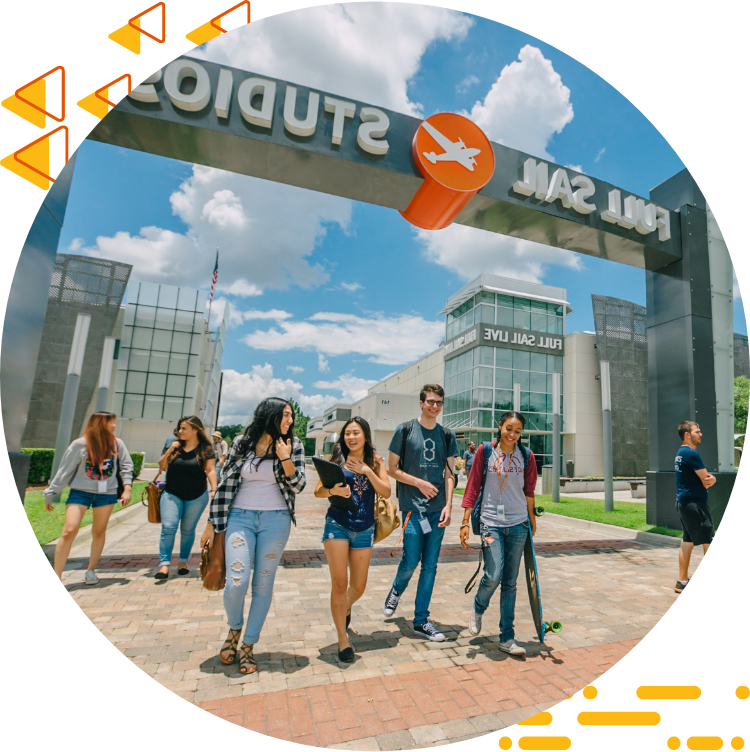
{"x": 254, "y": 504}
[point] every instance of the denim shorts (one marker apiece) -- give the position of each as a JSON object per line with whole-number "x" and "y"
{"x": 89, "y": 499}
{"x": 362, "y": 539}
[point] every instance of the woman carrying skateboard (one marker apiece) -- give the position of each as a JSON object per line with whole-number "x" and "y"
{"x": 505, "y": 493}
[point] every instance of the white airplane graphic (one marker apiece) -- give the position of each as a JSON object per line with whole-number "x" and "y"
{"x": 453, "y": 152}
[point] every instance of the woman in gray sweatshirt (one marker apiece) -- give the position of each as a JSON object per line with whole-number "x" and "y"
{"x": 90, "y": 466}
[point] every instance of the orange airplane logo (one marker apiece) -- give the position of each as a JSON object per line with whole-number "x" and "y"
{"x": 213, "y": 29}
{"x": 129, "y": 36}
{"x": 32, "y": 162}
{"x": 30, "y": 100}
{"x": 456, "y": 160}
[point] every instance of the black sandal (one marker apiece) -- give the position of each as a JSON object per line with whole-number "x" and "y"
{"x": 230, "y": 646}
{"x": 161, "y": 575}
{"x": 248, "y": 664}
{"x": 183, "y": 571}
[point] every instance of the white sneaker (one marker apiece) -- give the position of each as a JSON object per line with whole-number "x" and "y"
{"x": 391, "y": 603}
{"x": 512, "y": 647}
{"x": 475, "y": 622}
{"x": 91, "y": 578}
{"x": 429, "y": 631}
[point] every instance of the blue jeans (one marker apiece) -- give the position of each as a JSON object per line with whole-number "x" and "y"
{"x": 502, "y": 559}
{"x": 425, "y": 547}
{"x": 174, "y": 512}
{"x": 254, "y": 542}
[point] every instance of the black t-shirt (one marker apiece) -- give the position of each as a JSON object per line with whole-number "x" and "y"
{"x": 186, "y": 476}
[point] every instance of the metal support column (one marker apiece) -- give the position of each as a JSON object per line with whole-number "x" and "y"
{"x": 70, "y": 395}
{"x": 609, "y": 494}
{"x": 517, "y": 397}
{"x": 105, "y": 374}
{"x": 556, "y": 421}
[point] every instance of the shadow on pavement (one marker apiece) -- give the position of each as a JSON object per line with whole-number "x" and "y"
{"x": 103, "y": 583}
{"x": 287, "y": 662}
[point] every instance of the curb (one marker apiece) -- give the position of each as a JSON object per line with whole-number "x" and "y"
{"x": 621, "y": 532}
{"x": 84, "y": 534}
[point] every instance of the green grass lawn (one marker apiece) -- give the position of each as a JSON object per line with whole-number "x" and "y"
{"x": 48, "y": 525}
{"x": 629, "y": 514}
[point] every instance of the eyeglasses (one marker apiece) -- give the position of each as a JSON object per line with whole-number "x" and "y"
{"x": 434, "y": 403}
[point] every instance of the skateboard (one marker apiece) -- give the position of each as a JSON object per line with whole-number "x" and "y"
{"x": 532, "y": 582}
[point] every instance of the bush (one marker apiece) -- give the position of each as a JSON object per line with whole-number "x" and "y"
{"x": 41, "y": 464}
{"x": 309, "y": 445}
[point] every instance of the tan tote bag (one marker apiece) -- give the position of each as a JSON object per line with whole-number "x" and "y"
{"x": 386, "y": 518}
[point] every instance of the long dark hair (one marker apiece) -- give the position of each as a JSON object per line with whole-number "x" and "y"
{"x": 267, "y": 419}
{"x": 509, "y": 416}
{"x": 370, "y": 458}
{"x": 204, "y": 443}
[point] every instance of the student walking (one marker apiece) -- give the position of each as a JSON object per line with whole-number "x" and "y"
{"x": 469, "y": 458}
{"x": 348, "y": 536}
{"x": 420, "y": 458}
{"x": 90, "y": 467}
{"x": 693, "y": 482}
{"x": 507, "y": 510}
{"x": 254, "y": 504}
{"x": 190, "y": 462}
{"x": 220, "y": 448}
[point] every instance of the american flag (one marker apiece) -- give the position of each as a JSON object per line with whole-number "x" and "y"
{"x": 215, "y": 276}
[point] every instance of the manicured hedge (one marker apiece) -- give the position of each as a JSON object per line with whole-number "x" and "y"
{"x": 41, "y": 464}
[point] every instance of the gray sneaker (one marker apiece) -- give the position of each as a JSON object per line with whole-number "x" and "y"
{"x": 429, "y": 631}
{"x": 91, "y": 578}
{"x": 475, "y": 622}
{"x": 512, "y": 647}
{"x": 391, "y": 603}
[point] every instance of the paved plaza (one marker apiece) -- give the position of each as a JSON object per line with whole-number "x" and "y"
{"x": 402, "y": 692}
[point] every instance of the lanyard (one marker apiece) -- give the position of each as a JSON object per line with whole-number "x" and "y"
{"x": 507, "y": 471}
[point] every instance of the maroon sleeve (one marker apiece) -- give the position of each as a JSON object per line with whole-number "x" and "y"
{"x": 529, "y": 477}
{"x": 474, "y": 484}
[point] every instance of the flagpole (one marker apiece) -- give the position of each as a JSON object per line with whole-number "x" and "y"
{"x": 210, "y": 364}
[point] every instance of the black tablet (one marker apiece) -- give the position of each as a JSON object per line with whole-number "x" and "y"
{"x": 330, "y": 475}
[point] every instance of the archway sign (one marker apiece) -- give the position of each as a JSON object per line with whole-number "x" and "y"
{"x": 443, "y": 170}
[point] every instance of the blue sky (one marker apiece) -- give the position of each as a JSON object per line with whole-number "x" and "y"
{"x": 347, "y": 293}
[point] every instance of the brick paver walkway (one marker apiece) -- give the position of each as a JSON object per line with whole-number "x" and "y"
{"x": 401, "y": 692}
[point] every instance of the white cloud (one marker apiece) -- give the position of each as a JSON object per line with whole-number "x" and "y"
{"x": 273, "y": 314}
{"x": 75, "y": 245}
{"x": 366, "y": 51}
{"x": 468, "y": 251}
{"x": 295, "y": 369}
{"x": 389, "y": 340}
{"x": 526, "y": 105}
{"x": 352, "y": 286}
{"x": 248, "y": 219}
{"x": 600, "y": 154}
{"x": 466, "y": 84}
{"x": 323, "y": 363}
{"x": 351, "y": 387}
{"x": 576, "y": 167}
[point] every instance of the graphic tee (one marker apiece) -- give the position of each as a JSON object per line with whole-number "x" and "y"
{"x": 425, "y": 458}
{"x": 363, "y": 495}
{"x": 508, "y": 473}
{"x": 689, "y": 485}
{"x": 186, "y": 476}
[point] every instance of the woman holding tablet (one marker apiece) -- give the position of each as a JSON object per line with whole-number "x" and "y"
{"x": 349, "y": 533}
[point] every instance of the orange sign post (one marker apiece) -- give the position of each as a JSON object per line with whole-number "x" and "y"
{"x": 456, "y": 160}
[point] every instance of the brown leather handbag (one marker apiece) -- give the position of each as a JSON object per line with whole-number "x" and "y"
{"x": 386, "y": 518}
{"x": 151, "y": 498}
{"x": 213, "y": 564}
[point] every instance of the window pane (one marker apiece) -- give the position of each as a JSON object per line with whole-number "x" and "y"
{"x": 504, "y": 317}
{"x": 156, "y": 383}
{"x": 538, "y": 382}
{"x": 175, "y": 386}
{"x": 538, "y": 322}
{"x": 129, "y": 318}
{"x": 554, "y": 363}
{"x": 503, "y": 400}
{"x": 148, "y": 294}
{"x": 521, "y": 359}
{"x": 164, "y": 319}
{"x": 172, "y": 408}
{"x": 201, "y": 301}
{"x": 484, "y": 397}
{"x": 142, "y": 338}
{"x": 181, "y": 342}
{"x": 183, "y": 321}
{"x": 559, "y": 328}
{"x": 191, "y": 384}
{"x": 525, "y": 401}
{"x": 521, "y": 304}
{"x": 522, "y": 378}
{"x": 132, "y": 406}
{"x": 188, "y": 407}
{"x": 123, "y": 358}
{"x": 145, "y": 315}
{"x": 485, "y": 376}
{"x": 552, "y": 325}
{"x": 485, "y": 419}
{"x": 539, "y": 305}
{"x": 162, "y": 340}
{"x": 503, "y": 358}
{"x": 521, "y": 319}
{"x": 178, "y": 364}
{"x": 117, "y": 403}
{"x": 120, "y": 378}
{"x": 503, "y": 378}
{"x": 168, "y": 296}
{"x": 488, "y": 297}
{"x": 186, "y": 300}
{"x": 558, "y": 309}
{"x": 159, "y": 362}
{"x": 537, "y": 402}
{"x": 138, "y": 360}
{"x": 468, "y": 319}
{"x": 538, "y": 362}
{"x": 153, "y": 407}
{"x": 136, "y": 382}
{"x": 127, "y": 336}
{"x": 505, "y": 300}
{"x": 194, "y": 365}
{"x": 486, "y": 314}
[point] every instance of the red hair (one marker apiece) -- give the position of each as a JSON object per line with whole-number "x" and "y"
{"x": 101, "y": 443}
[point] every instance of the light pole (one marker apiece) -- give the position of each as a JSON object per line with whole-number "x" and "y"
{"x": 556, "y": 420}
{"x": 105, "y": 374}
{"x": 609, "y": 494}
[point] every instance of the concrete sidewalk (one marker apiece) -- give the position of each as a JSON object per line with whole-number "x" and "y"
{"x": 402, "y": 692}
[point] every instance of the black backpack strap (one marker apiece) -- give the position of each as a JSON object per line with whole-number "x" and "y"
{"x": 404, "y": 438}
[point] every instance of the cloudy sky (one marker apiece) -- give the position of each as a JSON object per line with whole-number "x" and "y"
{"x": 328, "y": 295}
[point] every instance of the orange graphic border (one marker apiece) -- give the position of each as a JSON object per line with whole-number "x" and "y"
{"x": 226, "y": 12}
{"x": 41, "y": 138}
{"x": 37, "y": 107}
{"x": 163, "y": 23}
{"x": 112, "y": 83}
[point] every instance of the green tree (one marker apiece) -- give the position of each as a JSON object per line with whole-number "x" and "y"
{"x": 229, "y": 432}
{"x": 741, "y": 394}
{"x": 300, "y": 420}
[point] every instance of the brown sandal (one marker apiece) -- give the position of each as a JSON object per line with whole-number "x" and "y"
{"x": 230, "y": 647}
{"x": 248, "y": 664}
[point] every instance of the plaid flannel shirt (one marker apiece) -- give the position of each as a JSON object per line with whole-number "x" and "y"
{"x": 230, "y": 480}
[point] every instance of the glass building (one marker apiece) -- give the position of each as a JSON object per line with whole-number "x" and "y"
{"x": 504, "y": 341}
{"x": 169, "y": 363}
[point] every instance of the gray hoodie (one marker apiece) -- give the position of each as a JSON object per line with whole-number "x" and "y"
{"x": 75, "y": 471}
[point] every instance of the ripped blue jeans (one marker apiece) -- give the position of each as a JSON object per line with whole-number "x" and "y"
{"x": 254, "y": 542}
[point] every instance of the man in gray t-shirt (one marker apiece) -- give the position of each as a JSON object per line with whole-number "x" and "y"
{"x": 420, "y": 458}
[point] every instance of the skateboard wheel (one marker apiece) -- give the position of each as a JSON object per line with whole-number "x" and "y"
{"x": 538, "y": 511}
{"x": 556, "y": 627}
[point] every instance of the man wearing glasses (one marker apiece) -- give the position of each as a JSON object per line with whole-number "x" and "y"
{"x": 420, "y": 458}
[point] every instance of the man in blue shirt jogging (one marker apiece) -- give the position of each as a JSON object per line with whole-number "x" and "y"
{"x": 693, "y": 482}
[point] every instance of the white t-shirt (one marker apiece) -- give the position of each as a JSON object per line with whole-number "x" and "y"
{"x": 259, "y": 490}
{"x": 511, "y": 500}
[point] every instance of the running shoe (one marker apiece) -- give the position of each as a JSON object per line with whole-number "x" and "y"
{"x": 91, "y": 578}
{"x": 429, "y": 631}
{"x": 391, "y": 603}
{"x": 475, "y": 622}
{"x": 512, "y": 647}
{"x": 681, "y": 585}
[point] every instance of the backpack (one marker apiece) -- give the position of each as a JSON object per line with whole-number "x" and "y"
{"x": 476, "y": 512}
{"x": 405, "y": 437}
